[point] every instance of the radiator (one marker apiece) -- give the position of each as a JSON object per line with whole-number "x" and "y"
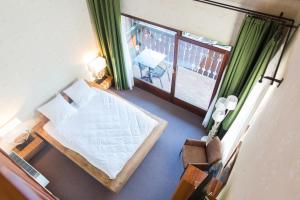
{"x": 37, "y": 176}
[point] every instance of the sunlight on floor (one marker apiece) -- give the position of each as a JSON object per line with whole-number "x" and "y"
{"x": 191, "y": 86}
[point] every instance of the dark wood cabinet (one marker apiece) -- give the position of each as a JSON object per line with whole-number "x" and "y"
{"x": 188, "y": 183}
{"x": 191, "y": 179}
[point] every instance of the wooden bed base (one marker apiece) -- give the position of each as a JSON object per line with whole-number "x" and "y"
{"x": 118, "y": 183}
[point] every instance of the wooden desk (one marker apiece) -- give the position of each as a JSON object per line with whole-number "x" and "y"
{"x": 190, "y": 180}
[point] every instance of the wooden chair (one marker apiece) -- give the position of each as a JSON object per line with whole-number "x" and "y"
{"x": 199, "y": 154}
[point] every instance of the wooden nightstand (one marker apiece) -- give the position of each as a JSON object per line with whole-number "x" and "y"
{"x": 31, "y": 148}
{"x": 103, "y": 84}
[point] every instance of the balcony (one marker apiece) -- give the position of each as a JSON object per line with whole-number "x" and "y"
{"x": 197, "y": 66}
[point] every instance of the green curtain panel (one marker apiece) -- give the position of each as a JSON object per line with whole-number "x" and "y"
{"x": 106, "y": 17}
{"x": 257, "y": 43}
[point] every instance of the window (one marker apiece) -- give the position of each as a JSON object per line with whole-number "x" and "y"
{"x": 178, "y": 66}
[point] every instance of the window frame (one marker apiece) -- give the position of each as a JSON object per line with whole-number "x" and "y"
{"x": 171, "y": 96}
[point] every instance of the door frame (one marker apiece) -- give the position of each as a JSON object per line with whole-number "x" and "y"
{"x": 171, "y": 96}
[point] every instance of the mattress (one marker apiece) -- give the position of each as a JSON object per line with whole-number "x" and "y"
{"x": 106, "y": 132}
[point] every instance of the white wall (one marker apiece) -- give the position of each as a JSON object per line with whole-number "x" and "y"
{"x": 187, "y": 15}
{"x": 201, "y": 19}
{"x": 42, "y": 45}
{"x": 268, "y": 165}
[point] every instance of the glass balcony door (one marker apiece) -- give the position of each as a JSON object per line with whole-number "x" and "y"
{"x": 177, "y": 66}
{"x": 152, "y": 53}
{"x": 198, "y": 69}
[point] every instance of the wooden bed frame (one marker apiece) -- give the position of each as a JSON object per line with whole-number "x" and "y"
{"x": 118, "y": 183}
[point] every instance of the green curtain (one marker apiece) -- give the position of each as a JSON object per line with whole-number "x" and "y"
{"x": 257, "y": 43}
{"x": 106, "y": 17}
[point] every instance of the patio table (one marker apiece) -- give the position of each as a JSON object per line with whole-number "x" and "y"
{"x": 149, "y": 59}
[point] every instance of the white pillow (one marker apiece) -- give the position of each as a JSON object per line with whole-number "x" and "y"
{"x": 57, "y": 110}
{"x": 80, "y": 92}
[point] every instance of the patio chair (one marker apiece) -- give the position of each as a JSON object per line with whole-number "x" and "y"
{"x": 142, "y": 68}
{"x": 159, "y": 71}
{"x": 166, "y": 67}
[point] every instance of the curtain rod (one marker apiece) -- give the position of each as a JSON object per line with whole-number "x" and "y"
{"x": 289, "y": 23}
{"x": 250, "y": 12}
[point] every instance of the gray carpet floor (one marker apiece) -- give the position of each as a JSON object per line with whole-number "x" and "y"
{"x": 155, "y": 179}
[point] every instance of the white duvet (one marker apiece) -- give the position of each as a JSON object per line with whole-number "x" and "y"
{"x": 107, "y": 132}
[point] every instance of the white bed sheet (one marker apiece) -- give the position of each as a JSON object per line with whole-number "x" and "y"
{"x": 107, "y": 132}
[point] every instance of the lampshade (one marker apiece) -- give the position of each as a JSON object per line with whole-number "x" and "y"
{"x": 218, "y": 115}
{"x": 97, "y": 65}
{"x": 9, "y": 126}
{"x": 220, "y": 105}
{"x": 231, "y": 102}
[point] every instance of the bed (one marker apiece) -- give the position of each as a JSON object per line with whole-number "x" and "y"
{"x": 104, "y": 140}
